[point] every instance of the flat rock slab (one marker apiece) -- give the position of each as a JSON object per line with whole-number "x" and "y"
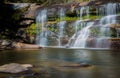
{"x": 19, "y": 45}
{"x": 14, "y": 68}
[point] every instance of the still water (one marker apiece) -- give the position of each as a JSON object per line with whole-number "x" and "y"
{"x": 104, "y": 63}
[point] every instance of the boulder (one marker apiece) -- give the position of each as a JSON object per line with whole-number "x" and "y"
{"x": 14, "y": 68}
{"x": 5, "y": 44}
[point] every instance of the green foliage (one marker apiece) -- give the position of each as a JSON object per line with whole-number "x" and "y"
{"x": 31, "y": 29}
{"x": 91, "y": 17}
{"x": 95, "y": 31}
{"x": 68, "y": 19}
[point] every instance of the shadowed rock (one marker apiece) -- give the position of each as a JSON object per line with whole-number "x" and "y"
{"x": 76, "y": 65}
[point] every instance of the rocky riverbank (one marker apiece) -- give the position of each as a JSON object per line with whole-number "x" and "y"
{"x": 8, "y": 44}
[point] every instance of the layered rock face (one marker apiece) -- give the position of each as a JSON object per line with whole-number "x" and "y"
{"x": 60, "y": 20}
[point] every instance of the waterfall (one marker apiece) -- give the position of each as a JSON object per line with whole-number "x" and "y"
{"x": 105, "y": 30}
{"x": 79, "y": 24}
{"x": 88, "y": 12}
{"x": 79, "y": 39}
{"x": 110, "y": 19}
{"x": 81, "y": 12}
{"x": 41, "y": 18}
{"x": 82, "y": 31}
{"x": 84, "y": 10}
{"x": 103, "y": 38}
{"x": 62, "y": 14}
{"x": 61, "y": 26}
{"x": 82, "y": 35}
{"x": 109, "y": 9}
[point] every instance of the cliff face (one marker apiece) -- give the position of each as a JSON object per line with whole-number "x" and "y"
{"x": 17, "y": 18}
{"x": 29, "y": 9}
{"x": 21, "y": 15}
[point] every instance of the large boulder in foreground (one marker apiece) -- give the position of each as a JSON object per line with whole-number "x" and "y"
{"x": 14, "y": 68}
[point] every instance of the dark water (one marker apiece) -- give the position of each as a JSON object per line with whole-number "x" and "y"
{"x": 105, "y": 64}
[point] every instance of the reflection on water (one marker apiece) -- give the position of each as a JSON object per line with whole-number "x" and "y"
{"x": 105, "y": 64}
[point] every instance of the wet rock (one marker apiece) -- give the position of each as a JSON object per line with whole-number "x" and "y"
{"x": 19, "y": 5}
{"x": 5, "y": 44}
{"x": 14, "y": 68}
{"x": 76, "y": 65}
{"x": 114, "y": 25}
{"x": 115, "y": 43}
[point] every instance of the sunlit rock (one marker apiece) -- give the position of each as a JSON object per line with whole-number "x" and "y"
{"x": 25, "y": 46}
{"x": 114, "y": 25}
{"x": 14, "y": 68}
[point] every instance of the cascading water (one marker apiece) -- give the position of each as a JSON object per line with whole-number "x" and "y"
{"x": 79, "y": 25}
{"x": 41, "y": 38}
{"x": 84, "y": 10}
{"x": 110, "y": 19}
{"x": 61, "y": 26}
{"x": 79, "y": 39}
{"x": 105, "y": 30}
{"x": 81, "y": 12}
{"x": 102, "y": 41}
{"x": 82, "y": 29}
{"x": 110, "y": 10}
{"x": 62, "y": 14}
{"x": 88, "y": 12}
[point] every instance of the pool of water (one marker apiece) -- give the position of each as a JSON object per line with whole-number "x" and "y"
{"x": 104, "y": 63}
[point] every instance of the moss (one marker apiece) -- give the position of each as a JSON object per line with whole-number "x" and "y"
{"x": 31, "y": 29}
{"x": 91, "y": 17}
{"x": 68, "y": 19}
